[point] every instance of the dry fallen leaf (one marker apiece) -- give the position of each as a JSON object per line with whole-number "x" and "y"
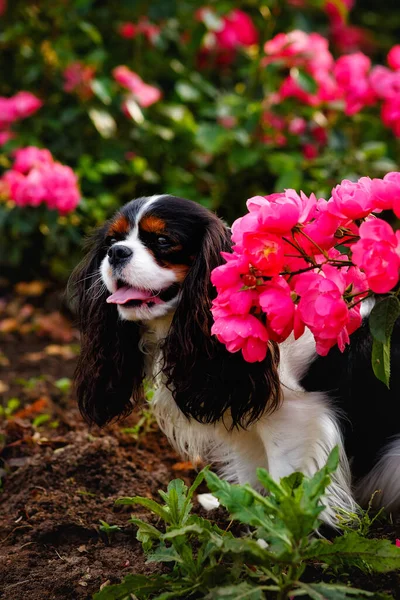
{"x": 4, "y": 387}
{"x": 31, "y": 288}
{"x": 36, "y": 407}
{"x": 56, "y": 326}
{"x": 8, "y": 325}
{"x": 64, "y": 351}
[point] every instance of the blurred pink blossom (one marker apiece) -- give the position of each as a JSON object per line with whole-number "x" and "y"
{"x": 144, "y": 94}
{"x": 78, "y": 78}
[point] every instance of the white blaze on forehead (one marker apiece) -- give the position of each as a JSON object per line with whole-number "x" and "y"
{"x": 134, "y": 233}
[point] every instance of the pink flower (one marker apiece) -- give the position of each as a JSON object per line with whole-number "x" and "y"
{"x": 231, "y": 281}
{"x": 127, "y": 30}
{"x": 78, "y": 78}
{"x": 352, "y": 200}
{"x": 62, "y": 191}
{"x": 297, "y": 126}
{"x": 32, "y": 191}
{"x": 11, "y": 182}
{"x": 351, "y": 72}
{"x": 385, "y": 83}
{"x": 29, "y": 157}
{"x": 337, "y": 15}
{"x": 323, "y": 310}
{"x": 5, "y": 136}
{"x": 398, "y": 543}
{"x": 3, "y": 7}
{"x": 235, "y": 30}
{"x": 26, "y": 104}
{"x": 386, "y": 192}
{"x": 277, "y": 304}
{"x": 377, "y": 254}
{"x": 310, "y": 151}
{"x": 393, "y": 58}
{"x": 144, "y": 94}
{"x": 20, "y": 106}
{"x": 391, "y": 115}
{"x": 264, "y": 251}
{"x": 242, "y": 332}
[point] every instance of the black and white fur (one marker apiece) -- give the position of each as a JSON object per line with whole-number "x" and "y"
{"x": 285, "y": 414}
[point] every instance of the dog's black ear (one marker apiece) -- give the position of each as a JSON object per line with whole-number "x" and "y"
{"x": 109, "y": 374}
{"x": 208, "y": 382}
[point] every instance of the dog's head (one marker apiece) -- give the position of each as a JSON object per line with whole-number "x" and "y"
{"x": 151, "y": 262}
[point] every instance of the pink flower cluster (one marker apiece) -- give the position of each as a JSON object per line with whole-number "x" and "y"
{"x": 349, "y": 81}
{"x": 129, "y": 30}
{"x": 144, "y": 94}
{"x": 225, "y": 35}
{"x": 20, "y": 106}
{"x": 287, "y": 273}
{"x": 37, "y": 179}
{"x": 78, "y": 78}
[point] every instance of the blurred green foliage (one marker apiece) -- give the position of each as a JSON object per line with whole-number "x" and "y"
{"x": 180, "y": 144}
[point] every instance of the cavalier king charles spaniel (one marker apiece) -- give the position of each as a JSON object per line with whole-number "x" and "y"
{"x": 143, "y": 297}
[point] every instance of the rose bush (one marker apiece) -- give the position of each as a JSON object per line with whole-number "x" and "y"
{"x": 215, "y": 102}
{"x": 296, "y": 279}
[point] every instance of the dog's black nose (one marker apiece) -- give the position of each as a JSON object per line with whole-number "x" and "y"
{"x": 118, "y": 254}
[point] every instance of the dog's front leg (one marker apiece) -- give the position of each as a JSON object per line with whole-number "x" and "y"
{"x": 299, "y": 436}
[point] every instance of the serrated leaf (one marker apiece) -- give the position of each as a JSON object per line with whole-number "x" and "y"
{"x": 383, "y": 317}
{"x": 164, "y": 554}
{"x": 132, "y": 584}
{"x": 381, "y": 361}
{"x": 353, "y": 549}
{"x": 328, "y": 591}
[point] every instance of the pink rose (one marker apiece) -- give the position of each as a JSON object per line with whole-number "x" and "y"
{"x": 323, "y": 310}
{"x": 26, "y": 104}
{"x": 11, "y": 182}
{"x": 351, "y": 72}
{"x": 352, "y": 200}
{"x": 242, "y": 332}
{"x": 78, "y": 78}
{"x": 127, "y": 30}
{"x": 277, "y": 304}
{"x": 264, "y": 251}
{"x": 5, "y": 136}
{"x": 144, "y": 94}
{"x": 62, "y": 191}
{"x": 32, "y": 191}
{"x": 29, "y": 157}
{"x": 377, "y": 254}
{"x": 393, "y": 57}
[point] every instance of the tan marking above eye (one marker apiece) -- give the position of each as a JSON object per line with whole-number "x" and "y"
{"x": 153, "y": 224}
{"x": 119, "y": 227}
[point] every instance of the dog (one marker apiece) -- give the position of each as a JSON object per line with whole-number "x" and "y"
{"x": 143, "y": 296}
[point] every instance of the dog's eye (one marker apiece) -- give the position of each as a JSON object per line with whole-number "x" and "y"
{"x": 111, "y": 240}
{"x": 163, "y": 241}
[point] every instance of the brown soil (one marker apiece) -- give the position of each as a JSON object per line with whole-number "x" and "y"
{"x": 60, "y": 480}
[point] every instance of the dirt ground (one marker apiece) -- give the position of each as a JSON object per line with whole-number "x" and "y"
{"x": 60, "y": 478}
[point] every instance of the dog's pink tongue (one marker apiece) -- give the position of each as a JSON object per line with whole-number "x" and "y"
{"x": 126, "y": 293}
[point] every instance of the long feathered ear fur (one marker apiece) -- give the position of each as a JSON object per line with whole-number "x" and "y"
{"x": 109, "y": 374}
{"x": 208, "y": 382}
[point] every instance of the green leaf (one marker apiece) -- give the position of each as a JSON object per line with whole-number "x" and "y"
{"x": 102, "y": 89}
{"x": 241, "y": 591}
{"x": 353, "y": 549}
{"x": 151, "y": 505}
{"x": 164, "y": 554}
{"x": 327, "y": 591}
{"x": 173, "y": 533}
{"x": 91, "y": 31}
{"x": 304, "y": 80}
{"x": 187, "y": 92}
{"x": 383, "y": 317}
{"x": 211, "y": 138}
{"x": 381, "y": 361}
{"x": 132, "y": 584}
